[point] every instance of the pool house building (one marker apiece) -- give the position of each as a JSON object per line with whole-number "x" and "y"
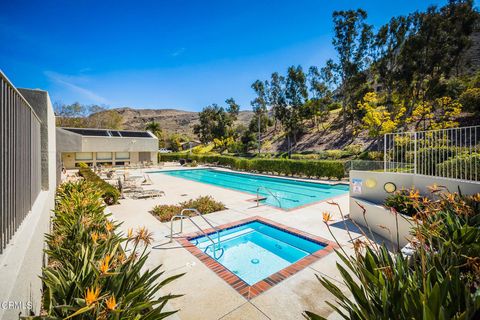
{"x": 106, "y": 147}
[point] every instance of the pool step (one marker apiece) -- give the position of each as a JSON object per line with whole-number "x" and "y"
{"x": 258, "y": 199}
{"x": 204, "y": 244}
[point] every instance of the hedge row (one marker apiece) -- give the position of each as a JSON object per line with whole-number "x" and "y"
{"x": 310, "y": 168}
{"x": 466, "y": 166}
{"x": 110, "y": 194}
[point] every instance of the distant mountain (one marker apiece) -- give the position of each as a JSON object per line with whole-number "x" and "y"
{"x": 170, "y": 120}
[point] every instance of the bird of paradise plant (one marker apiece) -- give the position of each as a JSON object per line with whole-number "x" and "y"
{"x": 440, "y": 280}
{"x": 94, "y": 274}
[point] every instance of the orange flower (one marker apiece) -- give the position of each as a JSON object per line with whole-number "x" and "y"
{"x": 451, "y": 197}
{"x": 414, "y": 194}
{"x": 111, "y": 303}
{"x": 476, "y": 197}
{"x": 94, "y": 237}
{"x": 358, "y": 245}
{"x": 130, "y": 233}
{"x": 105, "y": 265}
{"x": 121, "y": 258}
{"x": 425, "y": 200}
{"x": 143, "y": 235}
{"x": 91, "y": 295}
{"x": 326, "y": 216}
{"x": 435, "y": 188}
{"x": 109, "y": 225}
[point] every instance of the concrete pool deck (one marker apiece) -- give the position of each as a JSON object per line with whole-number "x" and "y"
{"x": 206, "y": 295}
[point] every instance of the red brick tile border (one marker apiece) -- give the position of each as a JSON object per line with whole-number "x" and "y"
{"x": 251, "y": 291}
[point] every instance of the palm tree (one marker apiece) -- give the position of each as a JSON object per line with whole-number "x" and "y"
{"x": 153, "y": 127}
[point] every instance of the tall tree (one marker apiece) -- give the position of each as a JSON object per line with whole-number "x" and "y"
{"x": 352, "y": 41}
{"x": 259, "y": 104}
{"x": 276, "y": 97}
{"x": 217, "y": 123}
{"x": 387, "y": 43}
{"x": 154, "y": 127}
{"x": 296, "y": 95}
{"x": 321, "y": 96}
{"x": 86, "y": 116}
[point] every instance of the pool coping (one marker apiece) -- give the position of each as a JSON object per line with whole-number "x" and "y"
{"x": 268, "y": 176}
{"x": 243, "y": 288}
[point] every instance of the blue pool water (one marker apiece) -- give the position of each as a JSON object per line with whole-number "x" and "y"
{"x": 290, "y": 193}
{"x": 255, "y": 250}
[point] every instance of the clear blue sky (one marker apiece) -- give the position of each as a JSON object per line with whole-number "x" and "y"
{"x": 168, "y": 54}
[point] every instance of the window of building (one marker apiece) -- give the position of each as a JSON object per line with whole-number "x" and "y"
{"x": 104, "y": 164}
{"x": 84, "y": 156}
{"x": 104, "y": 156}
{"x": 122, "y": 155}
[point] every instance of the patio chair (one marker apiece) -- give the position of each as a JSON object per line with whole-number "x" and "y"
{"x": 145, "y": 194}
{"x": 147, "y": 180}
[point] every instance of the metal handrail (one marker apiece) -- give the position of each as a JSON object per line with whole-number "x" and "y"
{"x": 268, "y": 190}
{"x": 181, "y": 216}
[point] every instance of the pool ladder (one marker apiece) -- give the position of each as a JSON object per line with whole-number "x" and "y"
{"x": 269, "y": 191}
{"x": 181, "y": 216}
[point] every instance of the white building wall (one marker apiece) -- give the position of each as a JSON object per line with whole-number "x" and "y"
{"x": 117, "y": 144}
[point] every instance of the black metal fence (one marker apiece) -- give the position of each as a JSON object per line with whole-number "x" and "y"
{"x": 20, "y": 160}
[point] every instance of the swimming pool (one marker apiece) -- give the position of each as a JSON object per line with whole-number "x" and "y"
{"x": 290, "y": 193}
{"x": 255, "y": 250}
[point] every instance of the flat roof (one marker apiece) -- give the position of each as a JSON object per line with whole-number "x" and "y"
{"x": 109, "y": 133}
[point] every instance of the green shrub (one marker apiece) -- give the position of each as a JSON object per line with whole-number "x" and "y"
{"x": 405, "y": 202}
{"x": 165, "y": 212}
{"x": 465, "y": 166}
{"x": 354, "y": 149}
{"x": 83, "y": 165}
{"x": 204, "y": 204}
{"x": 428, "y": 159}
{"x": 90, "y": 274}
{"x": 193, "y": 164}
{"x": 470, "y": 100}
{"x": 110, "y": 194}
{"x": 371, "y": 155}
{"x": 311, "y": 156}
{"x": 307, "y": 168}
{"x": 334, "y": 153}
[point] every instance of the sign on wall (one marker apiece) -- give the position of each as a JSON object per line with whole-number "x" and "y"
{"x": 357, "y": 185}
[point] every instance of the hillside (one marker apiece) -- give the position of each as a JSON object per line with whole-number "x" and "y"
{"x": 329, "y": 135}
{"x": 170, "y": 120}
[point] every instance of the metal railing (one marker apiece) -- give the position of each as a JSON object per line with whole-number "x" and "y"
{"x": 20, "y": 159}
{"x": 270, "y": 192}
{"x": 449, "y": 153}
{"x": 181, "y": 216}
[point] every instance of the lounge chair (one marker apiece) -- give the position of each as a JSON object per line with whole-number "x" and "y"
{"x": 147, "y": 181}
{"x": 152, "y": 193}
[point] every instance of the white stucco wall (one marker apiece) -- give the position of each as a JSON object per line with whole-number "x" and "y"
{"x": 405, "y": 180}
{"x": 382, "y": 221}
